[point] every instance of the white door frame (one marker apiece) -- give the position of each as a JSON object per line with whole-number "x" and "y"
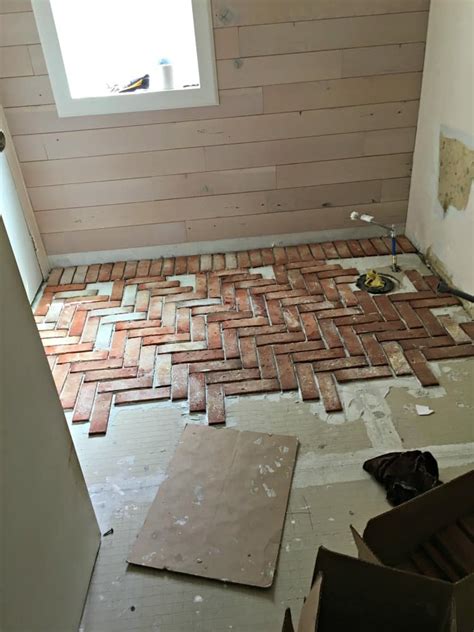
{"x": 28, "y": 213}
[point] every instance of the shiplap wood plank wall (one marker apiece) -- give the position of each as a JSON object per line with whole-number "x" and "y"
{"x": 318, "y": 111}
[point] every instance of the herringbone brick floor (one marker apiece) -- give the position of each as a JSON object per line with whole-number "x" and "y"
{"x": 132, "y": 332}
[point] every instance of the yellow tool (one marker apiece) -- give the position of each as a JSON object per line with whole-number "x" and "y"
{"x": 374, "y": 280}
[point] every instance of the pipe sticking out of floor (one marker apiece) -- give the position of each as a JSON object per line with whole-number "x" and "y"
{"x": 364, "y": 217}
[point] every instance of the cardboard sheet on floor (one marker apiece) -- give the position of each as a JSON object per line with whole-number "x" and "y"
{"x": 220, "y": 511}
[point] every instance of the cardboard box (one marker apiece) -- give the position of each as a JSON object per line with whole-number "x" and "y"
{"x": 351, "y": 595}
{"x": 432, "y": 537}
{"x": 414, "y": 572}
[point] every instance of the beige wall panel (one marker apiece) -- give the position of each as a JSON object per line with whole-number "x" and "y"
{"x": 389, "y": 141}
{"x": 226, "y": 42}
{"x": 349, "y": 170}
{"x": 74, "y": 219}
{"x": 25, "y": 90}
{"x": 324, "y": 196}
{"x": 299, "y": 37}
{"x": 292, "y": 222}
{"x": 222, "y": 131}
{"x": 382, "y": 60}
{"x": 98, "y": 168}
{"x": 18, "y": 28}
{"x": 30, "y": 148}
{"x": 341, "y": 92}
{"x": 44, "y": 119}
{"x": 115, "y": 238}
{"x": 37, "y": 59}
{"x": 148, "y": 189}
{"x": 14, "y": 6}
{"x": 395, "y": 189}
{"x": 261, "y": 71}
{"x": 242, "y": 12}
{"x": 14, "y": 61}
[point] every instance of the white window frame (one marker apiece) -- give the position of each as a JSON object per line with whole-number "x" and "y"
{"x": 206, "y": 94}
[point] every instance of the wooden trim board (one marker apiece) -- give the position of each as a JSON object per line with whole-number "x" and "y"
{"x": 220, "y": 512}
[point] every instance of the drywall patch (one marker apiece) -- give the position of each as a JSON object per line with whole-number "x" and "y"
{"x": 456, "y": 172}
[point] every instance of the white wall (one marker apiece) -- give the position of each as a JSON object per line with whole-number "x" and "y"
{"x": 49, "y": 535}
{"x": 447, "y": 104}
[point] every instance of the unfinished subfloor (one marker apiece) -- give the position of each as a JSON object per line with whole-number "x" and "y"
{"x": 410, "y": 345}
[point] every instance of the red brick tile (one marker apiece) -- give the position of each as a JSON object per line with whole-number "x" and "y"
{"x": 218, "y": 262}
{"x": 144, "y": 395}
{"x": 100, "y": 414}
{"x": 454, "y": 330}
{"x": 411, "y": 296}
{"x": 156, "y": 267}
{"x": 67, "y": 276}
{"x": 380, "y": 246}
{"x": 43, "y": 305}
{"x": 143, "y": 267}
{"x": 434, "y": 302}
{"x": 329, "y": 250}
{"x": 330, "y": 289}
{"x": 138, "y": 280}
{"x": 351, "y": 341}
{"x": 214, "y": 287}
{"x": 262, "y": 330}
{"x": 69, "y": 349}
{"x": 386, "y": 307}
{"x": 251, "y": 386}
{"x": 316, "y": 307}
{"x": 292, "y": 253}
{"x": 310, "y": 326}
{"x": 367, "y": 303}
{"x": 268, "y": 258}
{"x": 330, "y": 333}
{"x": 179, "y": 381}
{"x": 117, "y": 291}
{"x": 198, "y": 328}
{"x": 286, "y": 373}
{"x": 354, "y": 320}
{"x": 68, "y": 340}
{"x": 87, "y": 299}
{"x": 307, "y": 300}
{"x": 347, "y": 295}
{"x": 198, "y": 356}
{"x": 373, "y": 350}
{"x": 110, "y": 374}
{"x": 296, "y": 346}
{"x": 155, "y": 308}
{"x": 367, "y": 247}
{"x": 329, "y": 394}
{"x": 420, "y": 367}
{"x": 85, "y": 401}
{"x": 259, "y": 306}
{"x": 177, "y": 347}
{"x": 82, "y": 356}
{"x": 400, "y": 334}
{"x": 317, "y": 251}
{"x": 266, "y": 362}
{"x": 280, "y": 338}
{"x": 117, "y": 271}
{"x": 342, "y": 249}
{"x": 113, "y": 386}
{"x": 339, "y": 363}
{"x": 165, "y": 291}
{"x": 405, "y": 244}
{"x": 55, "y": 276}
{"x": 304, "y": 252}
{"x": 132, "y": 352}
{"x": 337, "y": 313}
{"x": 163, "y": 369}
{"x": 183, "y": 324}
{"x": 181, "y": 265}
{"x": 117, "y": 347}
{"x": 237, "y": 375}
{"x": 243, "y": 259}
{"x": 296, "y": 279}
{"x": 168, "y": 266}
{"x": 418, "y": 343}
{"x": 312, "y": 284}
{"x": 244, "y": 322}
{"x": 285, "y": 294}
{"x": 142, "y": 301}
{"x": 216, "y": 365}
{"x": 168, "y": 316}
{"x": 323, "y": 354}
{"x": 193, "y": 264}
{"x": 60, "y": 373}
{"x": 368, "y": 328}
{"x": 57, "y": 333}
{"x": 249, "y": 352}
{"x": 76, "y": 287}
{"x": 215, "y": 404}
{"x": 157, "y": 335}
{"x": 281, "y": 274}
{"x": 94, "y": 365}
{"x": 431, "y": 323}
{"x": 396, "y": 358}
{"x": 306, "y": 381}
{"x": 146, "y": 361}
{"x": 105, "y": 272}
{"x": 242, "y": 300}
{"x": 340, "y": 272}
{"x": 355, "y": 248}
{"x": 468, "y": 328}
{"x": 255, "y": 258}
{"x": 366, "y": 373}
{"x": 197, "y": 393}
{"x": 409, "y": 315}
{"x": 443, "y": 353}
{"x": 77, "y": 323}
{"x": 418, "y": 281}
{"x": 227, "y": 315}
{"x": 231, "y": 344}
{"x": 292, "y": 318}
{"x": 130, "y": 269}
{"x": 70, "y": 390}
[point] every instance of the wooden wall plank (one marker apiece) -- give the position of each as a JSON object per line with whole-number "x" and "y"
{"x": 347, "y": 170}
{"x": 115, "y": 167}
{"x": 315, "y": 35}
{"x": 227, "y": 43}
{"x": 18, "y": 28}
{"x": 262, "y": 71}
{"x": 15, "y": 61}
{"x": 37, "y": 59}
{"x": 44, "y": 118}
{"x": 341, "y": 92}
{"x": 222, "y": 131}
{"x": 14, "y": 6}
{"x": 245, "y": 12}
{"x": 148, "y": 189}
{"x": 25, "y": 90}
{"x": 395, "y": 189}
{"x": 379, "y": 60}
{"x": 291, "y": 222}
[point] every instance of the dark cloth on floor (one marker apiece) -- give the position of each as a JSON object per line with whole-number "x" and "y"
{"x": 404, "y": 474}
